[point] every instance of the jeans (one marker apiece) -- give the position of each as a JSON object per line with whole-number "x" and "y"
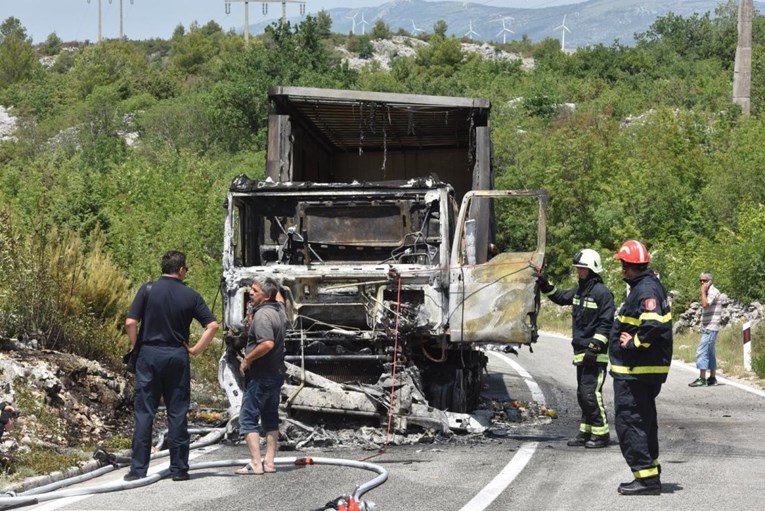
{"x": 261, "y": 404}
{"x": 706, "y": 357}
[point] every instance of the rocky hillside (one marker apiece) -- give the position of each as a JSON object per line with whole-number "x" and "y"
{"x": 65, "y": 401}
{"x": 69, "y": 406}
{"x": 386, "y": 50}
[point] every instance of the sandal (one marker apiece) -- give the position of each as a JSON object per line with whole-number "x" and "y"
{"x": 269, "y": 469}
{"x": 249, "y": 470}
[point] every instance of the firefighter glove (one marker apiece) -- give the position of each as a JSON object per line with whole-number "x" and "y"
{"x": 590, "y": 357}
{"x": 544, "y": 284}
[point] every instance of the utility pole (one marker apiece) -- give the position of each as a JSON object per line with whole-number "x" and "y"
{"x": 265, "y": 11}
{"x": 99, "y": 20}
{"x": 742, "y": 70}
{"x": 284, "y": 7}
{"x": 122, "y": 32}
{"x": 246, "y": 18}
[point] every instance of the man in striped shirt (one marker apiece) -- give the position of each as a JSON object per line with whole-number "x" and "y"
{"x": 706, "y": 358}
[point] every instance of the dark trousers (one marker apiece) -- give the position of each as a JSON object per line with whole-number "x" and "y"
{"x": 637, "y": 425}
{"x": 162, "y": 373}
{"x": 589, "y": 393}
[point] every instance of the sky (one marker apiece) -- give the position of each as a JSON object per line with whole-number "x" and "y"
{"x": 77, "y": 20}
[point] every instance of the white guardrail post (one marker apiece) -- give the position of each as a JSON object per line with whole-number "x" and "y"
{"x": 746, "y": 332}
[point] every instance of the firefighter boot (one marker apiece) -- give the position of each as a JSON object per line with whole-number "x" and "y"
{"x": 644, "y": 486}
{"x": 579, "y": 440}
{"x": 598, "y": 441}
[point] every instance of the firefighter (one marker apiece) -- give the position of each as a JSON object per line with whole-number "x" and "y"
{"x": 640, "y": 349}
{"x": 592, "y": 314}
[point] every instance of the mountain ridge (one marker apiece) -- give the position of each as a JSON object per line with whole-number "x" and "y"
{"x": 584, "y": 21}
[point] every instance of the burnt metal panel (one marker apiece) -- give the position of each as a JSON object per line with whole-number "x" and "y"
{"x": 352, "y": 121}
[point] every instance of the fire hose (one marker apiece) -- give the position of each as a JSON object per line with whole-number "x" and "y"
{"x": 50, "y": 492}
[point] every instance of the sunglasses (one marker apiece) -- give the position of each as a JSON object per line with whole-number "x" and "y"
{"x": 702, "y": 280}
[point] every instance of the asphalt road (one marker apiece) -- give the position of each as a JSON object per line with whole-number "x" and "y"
{"x": 712, "y": 457}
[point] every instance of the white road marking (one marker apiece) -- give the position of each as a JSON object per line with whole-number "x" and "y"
{"x": 688, "y": 367}
{"x": 536, "y": 392}
{"x": 726, "y": 381}
{"x": 496, "y": 486}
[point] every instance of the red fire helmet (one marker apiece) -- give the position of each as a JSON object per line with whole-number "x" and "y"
{"x": 633, "y": 252}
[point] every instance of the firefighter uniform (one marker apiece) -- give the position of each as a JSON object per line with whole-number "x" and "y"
{"x": 639, "y": 368}
{"x": 592, "y": 315}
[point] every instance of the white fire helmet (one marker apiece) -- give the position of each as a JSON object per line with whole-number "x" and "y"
{"x": 588, "y": 258}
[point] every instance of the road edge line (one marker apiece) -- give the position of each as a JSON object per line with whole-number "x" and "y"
{"x": 507, "y": 475}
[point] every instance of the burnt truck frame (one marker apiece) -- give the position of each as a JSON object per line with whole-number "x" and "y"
{"x": 390, "y": 285}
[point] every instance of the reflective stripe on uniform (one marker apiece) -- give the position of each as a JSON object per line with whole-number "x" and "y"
{"x": 639, "y": 344}
{"x": 628, "y": 320}
{"x": 646, "y": 316}
{"x": 587, "y": 303}
{"x": 601, "y": 358}
{"x": 652, "y": 316}
{"x": 647, "y": 472}
{"x": 600, "y": 337}
{"x": 640, "y": 369}
{"x": 601, "y": 430}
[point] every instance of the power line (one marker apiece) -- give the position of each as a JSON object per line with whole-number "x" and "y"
{"x": 265, "y": 11}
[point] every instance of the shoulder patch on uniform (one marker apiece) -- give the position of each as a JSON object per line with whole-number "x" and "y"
{"x": 650, "y": 304}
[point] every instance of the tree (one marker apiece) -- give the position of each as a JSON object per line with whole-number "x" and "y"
{"x": 18, "y": 59}
{"x": 443, "y": 55}
{"x": 440, "y": 27}
{"x": 380, "y": 30}
{"x": 52, "y": 45}
{"x": 111, "y": 62}
{"x": 324, "y": 24}
{"x": 365, "y": 48}
{"x": 191, "y": 52}
{"x": 178, "y": 32}
{"x": 12, "y": 27}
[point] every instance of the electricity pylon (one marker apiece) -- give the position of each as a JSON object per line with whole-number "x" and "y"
{"x": 265, "y": 10}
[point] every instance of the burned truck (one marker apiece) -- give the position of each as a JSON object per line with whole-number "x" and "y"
{"x": 391, "y": 286}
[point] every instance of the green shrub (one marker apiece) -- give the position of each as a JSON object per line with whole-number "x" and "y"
{"x": 56, "y": 290}
{"x": 758, "y": 365}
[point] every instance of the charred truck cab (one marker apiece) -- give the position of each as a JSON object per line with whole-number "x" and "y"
{"x": 391, "y": 286}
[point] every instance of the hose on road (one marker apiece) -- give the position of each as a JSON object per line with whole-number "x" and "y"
{"x": 51, "y": 491}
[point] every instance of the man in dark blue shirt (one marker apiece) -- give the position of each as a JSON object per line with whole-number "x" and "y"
{"x": 165, "y": 310}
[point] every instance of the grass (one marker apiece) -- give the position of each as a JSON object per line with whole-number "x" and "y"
{"x": 730, "y": 353}
{"x": 39, "y": 460}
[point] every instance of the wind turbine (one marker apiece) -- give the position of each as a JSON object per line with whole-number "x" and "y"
{"x": 504, "y": 30}
{"x": 470, "y": 33}
{"x": 563, "y": 29}
{"x": 415, "y": 29}
{"x": 353, "y": 28}
{"x": 363, "y": 23}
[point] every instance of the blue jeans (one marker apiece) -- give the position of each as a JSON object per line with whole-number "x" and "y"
{"x": 261, "y": 404}
{"x": 705, "y": 354}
